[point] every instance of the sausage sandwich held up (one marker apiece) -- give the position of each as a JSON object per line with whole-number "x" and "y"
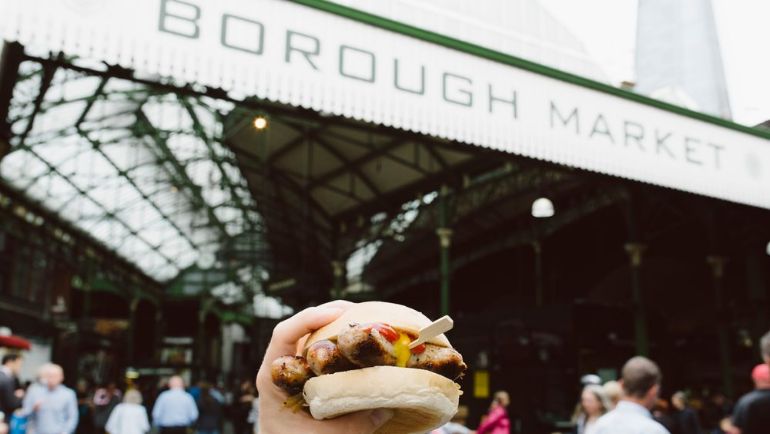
{"x": 362, "y": 361}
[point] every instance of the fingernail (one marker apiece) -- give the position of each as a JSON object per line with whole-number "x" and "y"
{"x": 380, "y": 416}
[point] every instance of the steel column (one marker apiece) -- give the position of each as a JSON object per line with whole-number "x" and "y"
{"x": 635, "y": 251}
{"x": 445, "y": 240}
{"x": 717, "y": 265}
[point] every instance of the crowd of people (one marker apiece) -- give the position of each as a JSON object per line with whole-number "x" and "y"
{"x": 632, "y": 405}
{"x": 640, "y": 410}
{"x": 47, "y": 406}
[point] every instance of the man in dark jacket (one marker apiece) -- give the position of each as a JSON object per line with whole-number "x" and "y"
{"x": 11, "y": 393}
{"x": 209, "y": 413}
{"x": 752, "y": 413}
{"x": 685, "y": 420}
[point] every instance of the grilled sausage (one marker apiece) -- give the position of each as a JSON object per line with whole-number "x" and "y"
{"x": 441, "y": 360}
{"x": 370, "y": 345}
{"x": 290, "y": 373}
{"x": 365, "y": 345}
{"x": 361, "y": 345}
{"x": 325, "y": 357}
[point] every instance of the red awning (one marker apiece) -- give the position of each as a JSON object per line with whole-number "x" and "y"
{"x": 14, "y": 342}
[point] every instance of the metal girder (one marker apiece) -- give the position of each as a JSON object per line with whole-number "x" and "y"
{"x": 49, "y": 71}
{"x": 45, "y": 83}
{"x": 9, "y": 71}
{"x": 179, "y": 174}
{"x": 90, "y": 101}
{"x": 97, "y": 147}
{"x": 256, "y": 105}
{"x": 390, "y": 156}
{"x": 518, "y": 238}
{"x": 285, "y": 149}
{"x": 479, "y": 199}
{"x": 441, "y": 161}
{"x": 260, "y": 171}
{"x": 427, "y": 184}
{"x": 72, "y": 250}
{"x": 107, "y": 212}
{"x": 201, "y": 133}
{"x": 347, "y": 163}
{"x": 357, "y": 162}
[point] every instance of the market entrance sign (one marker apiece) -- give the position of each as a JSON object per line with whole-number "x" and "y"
{"x": 283, "y": 51}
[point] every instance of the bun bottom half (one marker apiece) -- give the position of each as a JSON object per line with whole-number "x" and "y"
{"x": 421, "y": 400}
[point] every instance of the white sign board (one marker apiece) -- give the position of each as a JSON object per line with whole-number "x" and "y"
{"x": 297, "y": 55}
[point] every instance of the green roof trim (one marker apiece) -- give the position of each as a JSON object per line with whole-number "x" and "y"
{"x": 507, "y": 59}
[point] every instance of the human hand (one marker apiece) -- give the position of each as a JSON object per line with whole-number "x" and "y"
{"x": 3, "y": 428}
{"x": 274, "y": 418}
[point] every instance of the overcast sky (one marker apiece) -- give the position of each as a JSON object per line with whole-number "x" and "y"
{"x": 743, "y": 33}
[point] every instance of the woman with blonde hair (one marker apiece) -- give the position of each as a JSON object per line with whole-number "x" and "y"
{"x": 593, "y": 404}
{"x": 496, "y": 421}
{"x": 129, "y": 417}
{"x": 613, "y": 391}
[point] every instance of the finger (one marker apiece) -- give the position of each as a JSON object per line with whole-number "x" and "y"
{"x": 288, "y": 332}
{"x": 362, "y": 422}
{"x": 343, "y": 304}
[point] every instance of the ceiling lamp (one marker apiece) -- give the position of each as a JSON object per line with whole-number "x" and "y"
{"x": 260, "y": 123}
{"x": 542, "y": 208}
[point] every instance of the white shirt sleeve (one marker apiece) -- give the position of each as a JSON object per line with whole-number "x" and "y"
{"x": 112, "y": 426}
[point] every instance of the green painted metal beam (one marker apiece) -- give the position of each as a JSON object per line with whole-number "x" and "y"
{"x": 179, "y": 174}
{"x": 97, "y": 146}
{"x": 214, "y": 157}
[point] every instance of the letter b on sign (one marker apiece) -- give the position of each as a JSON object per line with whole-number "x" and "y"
{"x": 179, "y": 18}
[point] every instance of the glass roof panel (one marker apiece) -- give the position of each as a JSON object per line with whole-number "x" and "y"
{"x": 141, "y": 171}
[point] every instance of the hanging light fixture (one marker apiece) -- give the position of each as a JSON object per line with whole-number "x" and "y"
{"x": 260, "y": 122}
{"x": 542, "y": 207}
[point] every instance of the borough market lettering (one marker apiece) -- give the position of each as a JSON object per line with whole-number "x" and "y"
{"x": 303, "y": 50}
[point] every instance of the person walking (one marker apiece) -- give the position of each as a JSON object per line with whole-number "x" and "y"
{"x": 11, "y": 393}
{"x": 52, "y": 407}
{"x": 760, "y": 375}
{"x": 752, "y": 412}
{"x": 209, "y": 411}
{"x": 684, "y": 418}
{"x": 496, "y": 421}
{"x": 641, "y": 380}
{"x": 242, "y": 407}
{"x": 613, "y": 391}
{"x": 129, "y": 417}
{"x": 106, "y": 398}
{"x": 175, "y": 410}
{"x": 593, "y": 405}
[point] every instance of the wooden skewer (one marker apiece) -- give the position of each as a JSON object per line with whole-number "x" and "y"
{"x": 441, "y": 325}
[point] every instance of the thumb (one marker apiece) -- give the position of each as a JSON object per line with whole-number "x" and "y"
{"x": 362, "y": 422}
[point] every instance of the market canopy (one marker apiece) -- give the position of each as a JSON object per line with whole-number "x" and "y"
{"x": 15, "y": 342}
{"x": 331, "y": 59}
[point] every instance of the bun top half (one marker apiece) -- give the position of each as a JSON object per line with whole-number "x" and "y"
{"x": 400, "y": 317}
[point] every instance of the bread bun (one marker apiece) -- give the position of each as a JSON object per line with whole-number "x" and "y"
{"x": 395, "y": 315}
{"x": 421, "y": 400}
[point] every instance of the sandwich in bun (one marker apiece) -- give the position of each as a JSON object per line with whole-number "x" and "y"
{"x": 362, "y": 361}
